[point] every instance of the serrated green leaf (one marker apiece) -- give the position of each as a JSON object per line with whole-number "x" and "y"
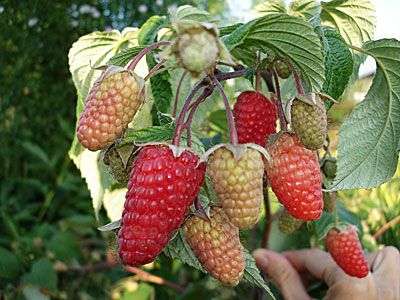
{"x": 164, "y": 119}
{"x": 306, "y": 9}
{"x": 148, "y": 135}
{"x": 42, "y": 275}
{"x": 287, "y": 36}
{"x": 338, "y": 63}
{"x": 178, "y": 248}
{"x": 10, "y": 266}
{"x": 94, "y": 50}
{"x": 188, "y": 12}
{"x": 252, "y": 274}
{"x": 369, "y": 137}
{"x": 122, "y": 58}
{"x": 160, "y": 86}
{"x": 354, "y": 19}
{"x": 225, "y": 30}
{"x": 272, "y": 7}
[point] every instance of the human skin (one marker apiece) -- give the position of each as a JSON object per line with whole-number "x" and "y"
{"x": 291, "y": 270}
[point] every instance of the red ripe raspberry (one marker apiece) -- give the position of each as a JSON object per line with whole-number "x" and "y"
{"x": 346, "y": 251}
{"x": 295, "y": 178}
{"x": 255, "y": 117}
{"x": 160, "y": 190}
{"x": 109, "y": 107}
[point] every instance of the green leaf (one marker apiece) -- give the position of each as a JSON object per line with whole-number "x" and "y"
{"x": 272, "y": 7}
{"x": 160, "y": 86}
{"x": 178, "y": 248}
{"x": 42, "y": 275}
{"x": 188, "y": 12}
{"x": 64, "y": 246}
{"x": 94, "y": 50}
{"x": 306, "y": 9}
{"x": 286, "y": 35}
{"x": 252, "y": 274}
{"x": 323, "y": 225}
{"x": 225, "y": 30}
{"x": 369, "y": 137}
{"x": 354, "y": 19}
{"x": 148, "y": 135}
{"x": 10, "y": 266}
{"x": 338, "y": 63}
{"x": 122, "y": 58}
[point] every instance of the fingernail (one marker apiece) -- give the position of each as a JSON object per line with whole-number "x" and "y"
{"x": 261, "y": 258}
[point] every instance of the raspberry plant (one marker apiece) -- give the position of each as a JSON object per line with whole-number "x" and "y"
{"x": 293, "y": 60}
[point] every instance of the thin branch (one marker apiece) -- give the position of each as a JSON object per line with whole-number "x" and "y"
{"x": 281, "y": 113}
{"x": 233, "y": 136}
{"x": 146, "y": 50}
{"x": 106, "y": 265}
{"x": 386, "y": 226}
{"x": 267, "y": 76}
{"x": 145, "y": 276}
{"x": 193, "y": 107}
{"x": 158, "y": 68}
{"x": 178, "y": 89}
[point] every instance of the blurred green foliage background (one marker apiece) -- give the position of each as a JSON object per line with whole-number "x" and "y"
{"x": 49, "y": 244}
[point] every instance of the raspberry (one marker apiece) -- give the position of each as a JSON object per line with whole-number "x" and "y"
{"x": 309, "y": 122}
{"x": 109, "y": 107}
{"x": 255, "y": 117}
{"x": 238, "y": 184}
{"x": 160, "y": 190}
{"x": 217, "y": 246}
{"x": 288, "y": 224}
{"x": 294, "y": 176}
{"x": 196, "y": 48}
{"x": 346, "y": 251}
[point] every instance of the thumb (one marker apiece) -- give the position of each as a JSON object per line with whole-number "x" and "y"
{"x": 278, "y": 268}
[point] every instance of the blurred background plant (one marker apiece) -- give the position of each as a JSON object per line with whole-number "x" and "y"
{"x": 49, "y": 244}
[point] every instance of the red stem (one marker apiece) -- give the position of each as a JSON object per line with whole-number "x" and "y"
{"x": 281, "y": 113}
{"x": 233, "y": 137}
{"x": 178, "y": 88}
{"x": 156, "y": 69}
{"x": 146, "y": 50}
{"x": 180, "y": 121}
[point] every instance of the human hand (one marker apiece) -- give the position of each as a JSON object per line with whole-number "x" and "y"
{"x": 292, "y": 269}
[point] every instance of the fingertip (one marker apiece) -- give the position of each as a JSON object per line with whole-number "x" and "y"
{"x": 261, "y": 257}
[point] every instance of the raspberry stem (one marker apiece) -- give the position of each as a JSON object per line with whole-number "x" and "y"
{"x": 146, "y": 50}
{"x": 281, "y": 114}
{"x": 233, "y": 137}
{"x": 180, "y": 122}
{"x": 158, "y": 68}
{"x": 297, "y": 79}
{"x": 178, "y": 89}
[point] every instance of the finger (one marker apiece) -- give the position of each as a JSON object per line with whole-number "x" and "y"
{"x": 385, "y": 270}
{"x": 278, "y": 268}
{"x": 319, "y": 263}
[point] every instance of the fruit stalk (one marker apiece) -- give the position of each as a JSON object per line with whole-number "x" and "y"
{"x": 158, "y": 68}
{"x": 233, "y": 136}
{"x": 146, "y": 50}
{"x": 193, "y": 107}
{"x": 281, "y": 114}
{"x": 297, "y": 79}
{"x": 204, "y": 82}
{"x": 177, "y": 93}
